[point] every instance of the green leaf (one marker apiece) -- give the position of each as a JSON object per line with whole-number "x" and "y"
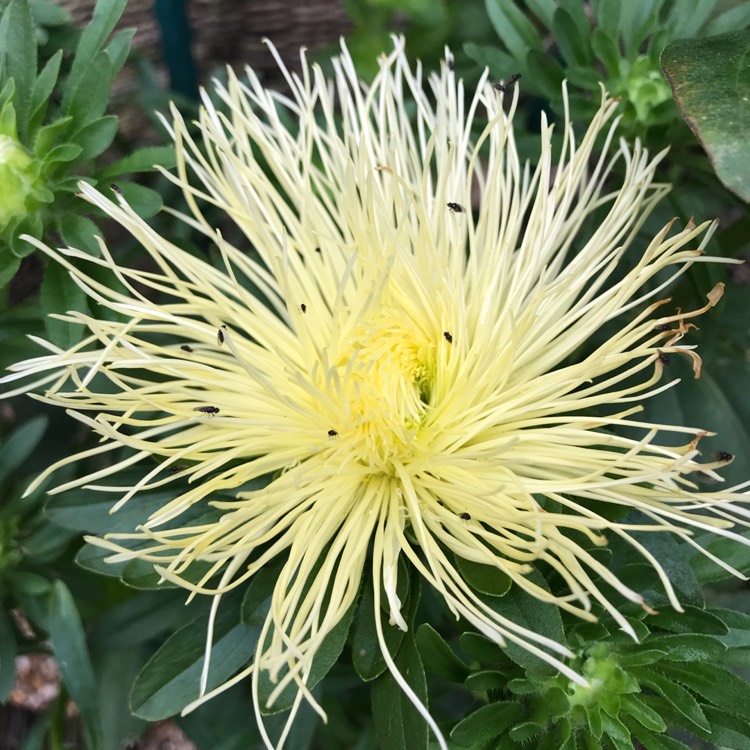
{"x": 535, "y": 615}
{"x": 486, "y": 679}
{"x": 679, "y": 699}
{"x": 142, "y": 160}
{"x": 63, "y": 624}
{"x": 438, "y": 655}
{"x": 79, "y": 232}
{"x": 688, "y": 647}
{"x": 119, "y": 47}
{"x": 19, "y": 61}
{"x": 106, "y": 14}
{"x": 717, "y": 685}
{"x": 8, "y": 653}
{"x": 728, "y": 730}
{"x": 141, "y": 618}
{"x": 710, "y": 79}
{"x": 90, "y": 100}
{"x": 50, "y": 136}
{"x": 42, "y": 91}
{"x": 515, "y": 30}
{"x": 644, "y": 714}
{"x": 398, "y": 724}
{"x": 143, "y": 200}
{"x": 20, "y": 444}
{"x": 65, "y": 152}
{"x": 60, "y": 294}
{"x": 171, "y": 677}
{"x": 653, "y": 741}
{"x": 692, "y": 620}
{"x": 486, "y": 579}
{"x": 96, "y": 137}
{"x": 8, "y": 267}
{"x": 255, "y": 608}
{"x": 367, "y": 657}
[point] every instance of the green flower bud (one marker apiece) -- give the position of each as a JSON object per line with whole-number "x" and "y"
{"x": 20, "y": 191}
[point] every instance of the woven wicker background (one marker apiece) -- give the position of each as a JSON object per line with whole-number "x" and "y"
{"x": 223, "y": 32}
{"x": 230, "y": 31}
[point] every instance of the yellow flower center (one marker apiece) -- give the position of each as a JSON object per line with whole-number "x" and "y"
{"x": 385, "y": 389}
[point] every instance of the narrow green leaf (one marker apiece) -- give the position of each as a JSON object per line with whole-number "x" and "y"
{"x": 20, "y": 444}
{"x": 515, "y": 30}
{"x": 692, "y": 620}
{"x": 119, "y": 48}
{"x": 710, "y": 79}
{"x": 717, "y": 685}
{"x": 90, "y": 100}
{"x": 65, "y": 629}
{"x": 96, "y": 137}
{"x": 728, "y": 730}
{"x": 59, "y": 295}
{"x": 142, "y": 160}
{"x": 737, "y": 17}
{"x": 689, "y": 647}
{"x": 398, "y": 724}
{"x": 19, "y": 57}
{"x": 367, "y": 657}
{"x": 106, "y": 14}
{"x": 171, "y": 677}
{"x": 644, "y": 714}
{"x": 438, "y": 655}
{"x": 681, "y": 701}
{"x": 42, "y": 90}
{"x": 653, "y": 741}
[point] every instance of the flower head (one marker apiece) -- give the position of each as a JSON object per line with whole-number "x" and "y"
{"x": 388, "y": 344}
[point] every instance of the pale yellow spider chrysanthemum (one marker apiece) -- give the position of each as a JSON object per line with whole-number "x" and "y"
{"x": 398, "y": 364}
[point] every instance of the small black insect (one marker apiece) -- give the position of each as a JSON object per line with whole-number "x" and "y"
{"x": 332, "y": 433}
{"x": 207, "y": 409}
{"x": 174, "y": 468}
{"x": 448, "y": 337}
{"x": 303, "y": 307}
{"x": 724, "y": 456}
{"x": 451, "y": 65}
{"x": 318, "y": 250}
{"x": 116, "y": 189}
{"x": 187, "y": 348}
{"x": 509, "y": 84}
{"x": 465, "y": 516}
{"x": 663, "y": 327}
{"x": 664, "y": 359}
{"x": 456, "y": 208}
{"x": 220, "y": 334}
